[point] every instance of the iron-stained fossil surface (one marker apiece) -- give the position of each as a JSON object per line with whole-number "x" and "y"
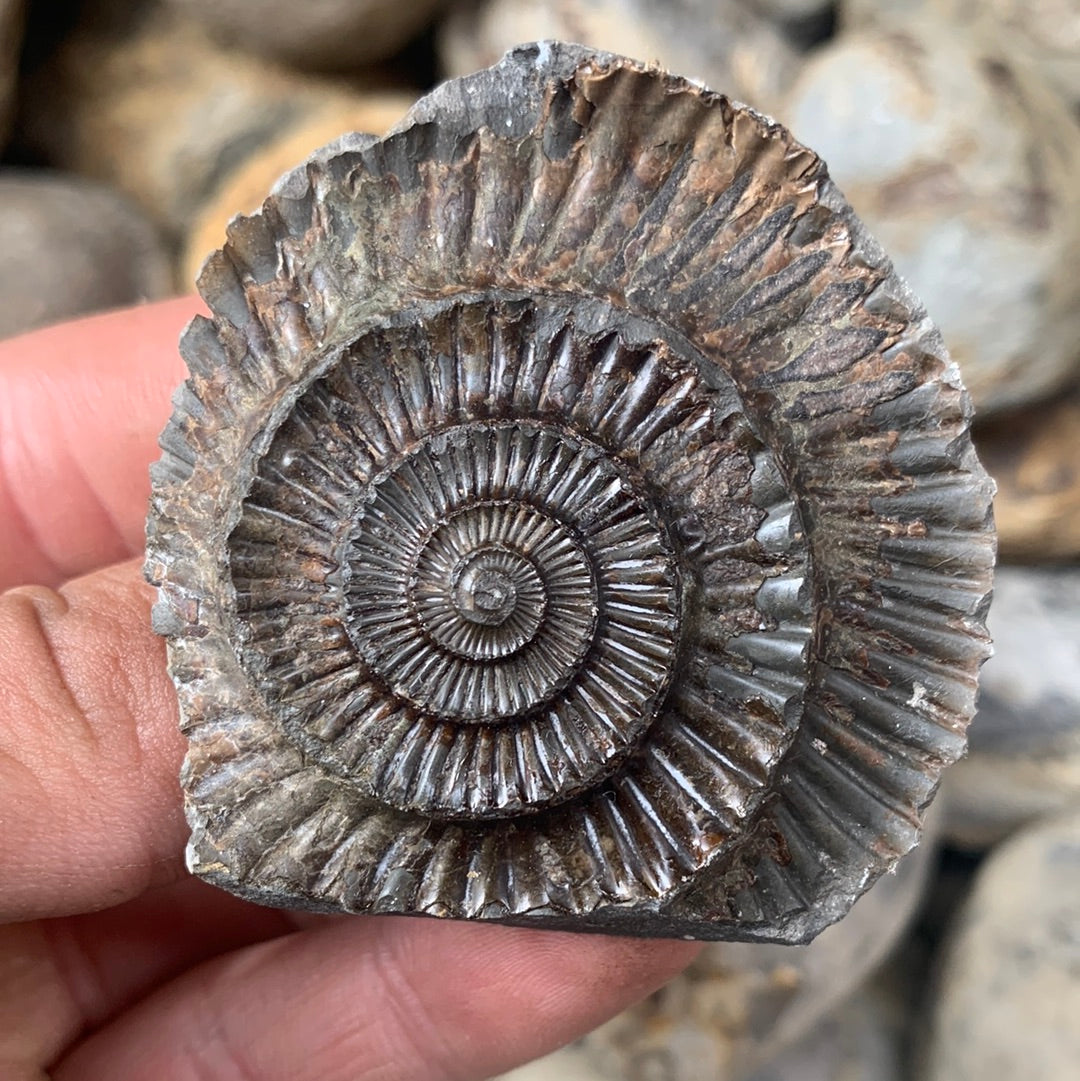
{"x": 570, "y": 520}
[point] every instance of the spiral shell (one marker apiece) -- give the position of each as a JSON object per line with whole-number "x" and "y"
{"x": 570, "y": 519}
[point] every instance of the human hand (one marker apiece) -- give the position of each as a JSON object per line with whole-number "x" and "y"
{"x": 115, "y": 964}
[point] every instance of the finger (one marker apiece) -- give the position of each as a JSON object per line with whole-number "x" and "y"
{"x": 61, "y": 978}
{"x": 106, "y": 960}
{"x": 387, "y": 998}
{"x": 81, "y": 407}
{"x": 89, "y": 747}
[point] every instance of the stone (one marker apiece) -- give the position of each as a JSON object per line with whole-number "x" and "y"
{"x": 1009, "y": 994}
{"x": 1031, "y": 453}
{"x": 12, "y": 15}
{"x": 1044, "y": 34}
{"x": 793, "y": 10}
{"x": 862, "y": 14}
{"x": 739, "y": 1006}
{"x": 857, "y": 1042}
{"x": 165, "y": 114}
{"x": 860, "y": 1041}
{"x": 567, "y": 1064}
{"x": 805, "y": 24}
{"x": 1024, "y": 744}
{"x": 243, "y": 191}
{"x": 315, "y": 34}
{"x": 993, "y": 795}
{"x": 1029, "y": 694}
{"x": 730, "y": 46}
{"x": 70, "y": 247}
{"x": 964, "y": 165}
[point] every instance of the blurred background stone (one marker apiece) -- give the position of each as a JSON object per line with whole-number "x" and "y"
{"x": 793, "y": 9}
{"x": 69, "y": 246}
{"x": 1042, "y": 33}
{"x": 1009, "y": 1001}
{"x": 860, "y": 1041}
{"x": 728, "y": 44}
{"x": 165, "y": 114}
{"x": 739, "y": 1005}
{"x": 315, "y": 34}
{"x": 859, "y": 14}
{"x": 1024, "y": 757}
{"x": 567, "y": 1064}
{"x": 990, "y": 795}
{"x": 1032, "y": 455}
{"x": 11, "y": 29}
{"x": 965, "y": 168}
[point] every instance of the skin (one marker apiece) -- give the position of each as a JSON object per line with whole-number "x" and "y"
{"x": 115, "y": 964}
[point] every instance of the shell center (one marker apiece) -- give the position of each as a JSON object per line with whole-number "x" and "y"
{"x": 484, "y": 594}
{"x": 494, "y": 599}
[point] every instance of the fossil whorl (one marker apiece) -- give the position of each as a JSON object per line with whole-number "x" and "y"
{"x": 570, "y": 519}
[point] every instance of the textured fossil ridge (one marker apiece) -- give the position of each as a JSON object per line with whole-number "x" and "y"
{"x": 569, "y": 520}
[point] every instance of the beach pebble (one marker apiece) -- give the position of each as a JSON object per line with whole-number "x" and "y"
{"x": 860, "y": 1040}
{"x": 1032, "y": 455}
{"x": 1044, "y": 34}
{"x": 793, "y": 11}
{"x": 69, "y": 247}
{"x": 316, "y": 34}
{"x": 964, "y": 165}
{"x": 167, "y": 115}
{"x": 740, "y": 1005}
{"x": 1024, "y": 756}
{"x": 730, "y": 46}
{"x": 1009, "y": 999}
{"x": 854, "y": 14}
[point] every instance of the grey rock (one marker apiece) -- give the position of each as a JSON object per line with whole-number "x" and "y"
{"x": 1024, "y": 758}
{"x": 1029, "y": 697}
{"x": 964, "y": 164}
{"x": 69, "y": 246}
{"x": 1031, "y": 454}
{"x": 1042, "y": 33}
{"x": 567, "y": 1064}
{"x": 793, "y": 9}
{"x": 1009, "y": 999}
{"x": 738, "y": 1006}
{"x": 731, "y": 46}
{"x": 860, "y": 1041}
{"x": 170, "y": 117}
{"x": 991, "y": 796}
{"x": 862, "y": 13}
{"x": 317, "y": 34}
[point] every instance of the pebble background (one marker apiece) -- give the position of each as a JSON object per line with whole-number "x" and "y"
{"x": 132, "y": 130}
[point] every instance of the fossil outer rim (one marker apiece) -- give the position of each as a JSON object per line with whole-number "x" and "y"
{"x": 842, "y": 373}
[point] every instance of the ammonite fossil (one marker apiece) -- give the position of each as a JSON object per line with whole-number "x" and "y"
{"x": 569, "y": 520}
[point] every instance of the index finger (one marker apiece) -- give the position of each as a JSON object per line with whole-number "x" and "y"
{"x": 81, "y": 407}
